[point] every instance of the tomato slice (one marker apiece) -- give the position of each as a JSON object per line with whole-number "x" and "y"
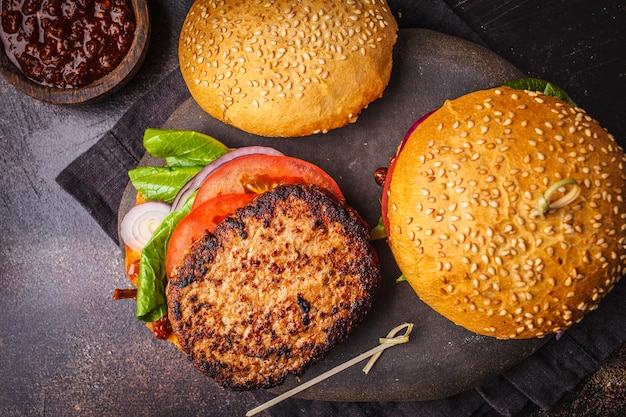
{"x": 259, "y": 173}
{"x": 204, "y": 217}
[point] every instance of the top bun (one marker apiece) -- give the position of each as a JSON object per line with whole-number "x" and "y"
{"x": 476, "y": 229}
{"x": 287, "y": 67}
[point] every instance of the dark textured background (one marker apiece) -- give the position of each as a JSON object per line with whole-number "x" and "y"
{"x": 55, "y": 358}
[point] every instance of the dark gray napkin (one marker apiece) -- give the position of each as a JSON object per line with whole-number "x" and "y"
{"x": 98, "y": 177}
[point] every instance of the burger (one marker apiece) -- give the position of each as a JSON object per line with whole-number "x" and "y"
{"x": 285, "y": 68}
{"x": 504, "y": 211}
{"x": 256, "y": 270}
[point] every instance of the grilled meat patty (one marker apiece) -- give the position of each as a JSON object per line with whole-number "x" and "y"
{"x": 274, "y": 288}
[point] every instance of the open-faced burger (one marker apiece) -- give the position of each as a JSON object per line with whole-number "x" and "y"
{"x": 265, "y": 271}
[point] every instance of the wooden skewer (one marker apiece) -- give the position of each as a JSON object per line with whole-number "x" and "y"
{"x": 374, "y": 353}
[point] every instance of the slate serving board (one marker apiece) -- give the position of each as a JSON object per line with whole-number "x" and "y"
{"x": 441, "y": 359}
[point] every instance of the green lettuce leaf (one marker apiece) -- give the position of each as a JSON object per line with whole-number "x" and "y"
{"x": 537, "y": 84}
{"x": 161, "y": 183}
{"x": 182, "y": 147}
{"x": 151, "y": 282}
{"x": 379, "y": 231}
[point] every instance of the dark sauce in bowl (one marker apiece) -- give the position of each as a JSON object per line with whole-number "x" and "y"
{"x": 67, "y": 43}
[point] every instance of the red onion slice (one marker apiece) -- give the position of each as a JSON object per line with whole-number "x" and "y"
{"x": 139, "y": 224}
{"x": 385, "y": 195}
{"x": 193, "y": 184}
{"x": 413, "y": 127}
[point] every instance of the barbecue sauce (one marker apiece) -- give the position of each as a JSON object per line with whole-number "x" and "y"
{"x": 67, "y": 43}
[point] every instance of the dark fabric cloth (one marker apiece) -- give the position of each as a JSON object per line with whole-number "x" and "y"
{"x": 98, "y": 177}
{"x": 580, "y": 45}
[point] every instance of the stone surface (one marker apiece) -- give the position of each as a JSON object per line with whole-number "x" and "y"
{"x": 67, "y": 349}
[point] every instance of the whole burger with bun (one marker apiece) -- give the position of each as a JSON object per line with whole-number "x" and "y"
{"x": 504, "y": 211}
{"x": 286, "y": 68}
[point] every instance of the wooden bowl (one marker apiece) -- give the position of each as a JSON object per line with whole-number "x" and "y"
{"x": 100, "y": 88}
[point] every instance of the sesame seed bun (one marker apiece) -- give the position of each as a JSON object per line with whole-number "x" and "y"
{"x": 465, "y": 220}
{"x": 286, "y": 68}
